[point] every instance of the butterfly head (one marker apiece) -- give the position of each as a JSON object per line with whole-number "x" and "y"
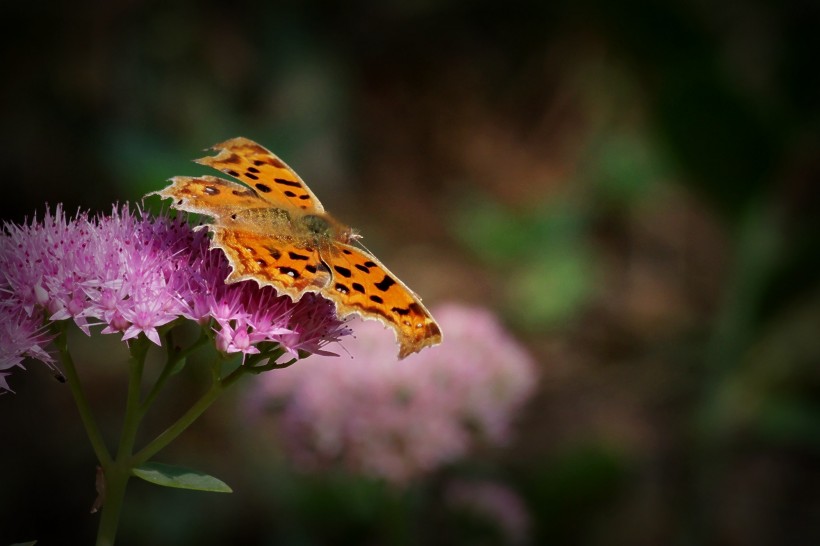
{"x": 351, "y": 235}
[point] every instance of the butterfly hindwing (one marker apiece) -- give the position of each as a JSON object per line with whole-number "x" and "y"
{"x": 268, "y": 260}
{"x": 361, "y": 284}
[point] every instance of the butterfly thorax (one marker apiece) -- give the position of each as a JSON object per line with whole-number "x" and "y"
{"x": 309, "y": 228}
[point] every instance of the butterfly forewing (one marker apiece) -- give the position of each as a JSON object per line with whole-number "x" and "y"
{"x": 211, "y": 195}
{"x": 263, "y": 171}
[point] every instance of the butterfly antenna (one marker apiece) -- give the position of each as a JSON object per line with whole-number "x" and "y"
{"x": 356, "y": 238}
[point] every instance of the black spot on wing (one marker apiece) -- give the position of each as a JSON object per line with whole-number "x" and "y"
{"x": 343, "y": 271}
{"x": 289, "y": 271}
{"x": 245, "y": 192}
{"x": 385, "y": 283}
{"x": 233, "y": 158}
{"x": 274, "y": 252}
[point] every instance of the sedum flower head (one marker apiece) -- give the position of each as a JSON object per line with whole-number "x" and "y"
{"x": 132, "y": 274}
{"x": 397, "y": 420}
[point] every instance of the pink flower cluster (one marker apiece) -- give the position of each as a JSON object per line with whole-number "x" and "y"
{"x": 132, "y": 274}
{"x": 397, "y": 420}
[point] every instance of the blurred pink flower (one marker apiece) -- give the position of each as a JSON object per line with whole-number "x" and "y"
{"x": 493, "y": 502}
{"x": 132, "y": 274}
{"x": 397, "y": 420}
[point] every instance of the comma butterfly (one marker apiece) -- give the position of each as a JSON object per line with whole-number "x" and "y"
{"x": 275, "y": 231}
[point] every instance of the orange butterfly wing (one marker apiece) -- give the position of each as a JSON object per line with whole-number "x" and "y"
{"x": 210, "y": 195}
{"x": 243, "y": 222}
{"x": 267, "y": 259}
{"x": 361, "y": 284}
{"x": 263, "y": 171}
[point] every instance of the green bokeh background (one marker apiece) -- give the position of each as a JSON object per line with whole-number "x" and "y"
{"x": 632, "y": 186}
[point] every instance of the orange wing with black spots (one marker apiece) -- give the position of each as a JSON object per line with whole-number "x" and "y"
{"x": 274, "y": 231}
{"x": 361, "y": 284}
{"x": 263, "y": 171}
{"x": 210, "y": 195}
{"x": 269, "y": 260}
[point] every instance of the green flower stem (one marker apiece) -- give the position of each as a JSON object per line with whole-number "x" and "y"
{"x": 172, "y": 432}
{"x": 118, "y": 472}
{"x": 86, "y": 415}
{"x": 139, "y": 349}
{"x": 117, "y": 475}
{"x": 170, "y": 366}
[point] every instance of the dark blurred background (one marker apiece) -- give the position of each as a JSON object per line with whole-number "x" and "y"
{"x": 632, "y": 186}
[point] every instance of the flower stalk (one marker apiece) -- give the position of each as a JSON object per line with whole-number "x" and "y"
{"x": 92, "y": 430}
{"x": 116, "y": 472}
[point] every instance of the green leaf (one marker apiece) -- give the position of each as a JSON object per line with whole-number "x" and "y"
{"x": 178, "y": 366}
{"x": 180, "y": 477}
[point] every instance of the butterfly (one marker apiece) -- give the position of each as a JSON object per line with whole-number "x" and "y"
{"x": 274, "y": 230}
